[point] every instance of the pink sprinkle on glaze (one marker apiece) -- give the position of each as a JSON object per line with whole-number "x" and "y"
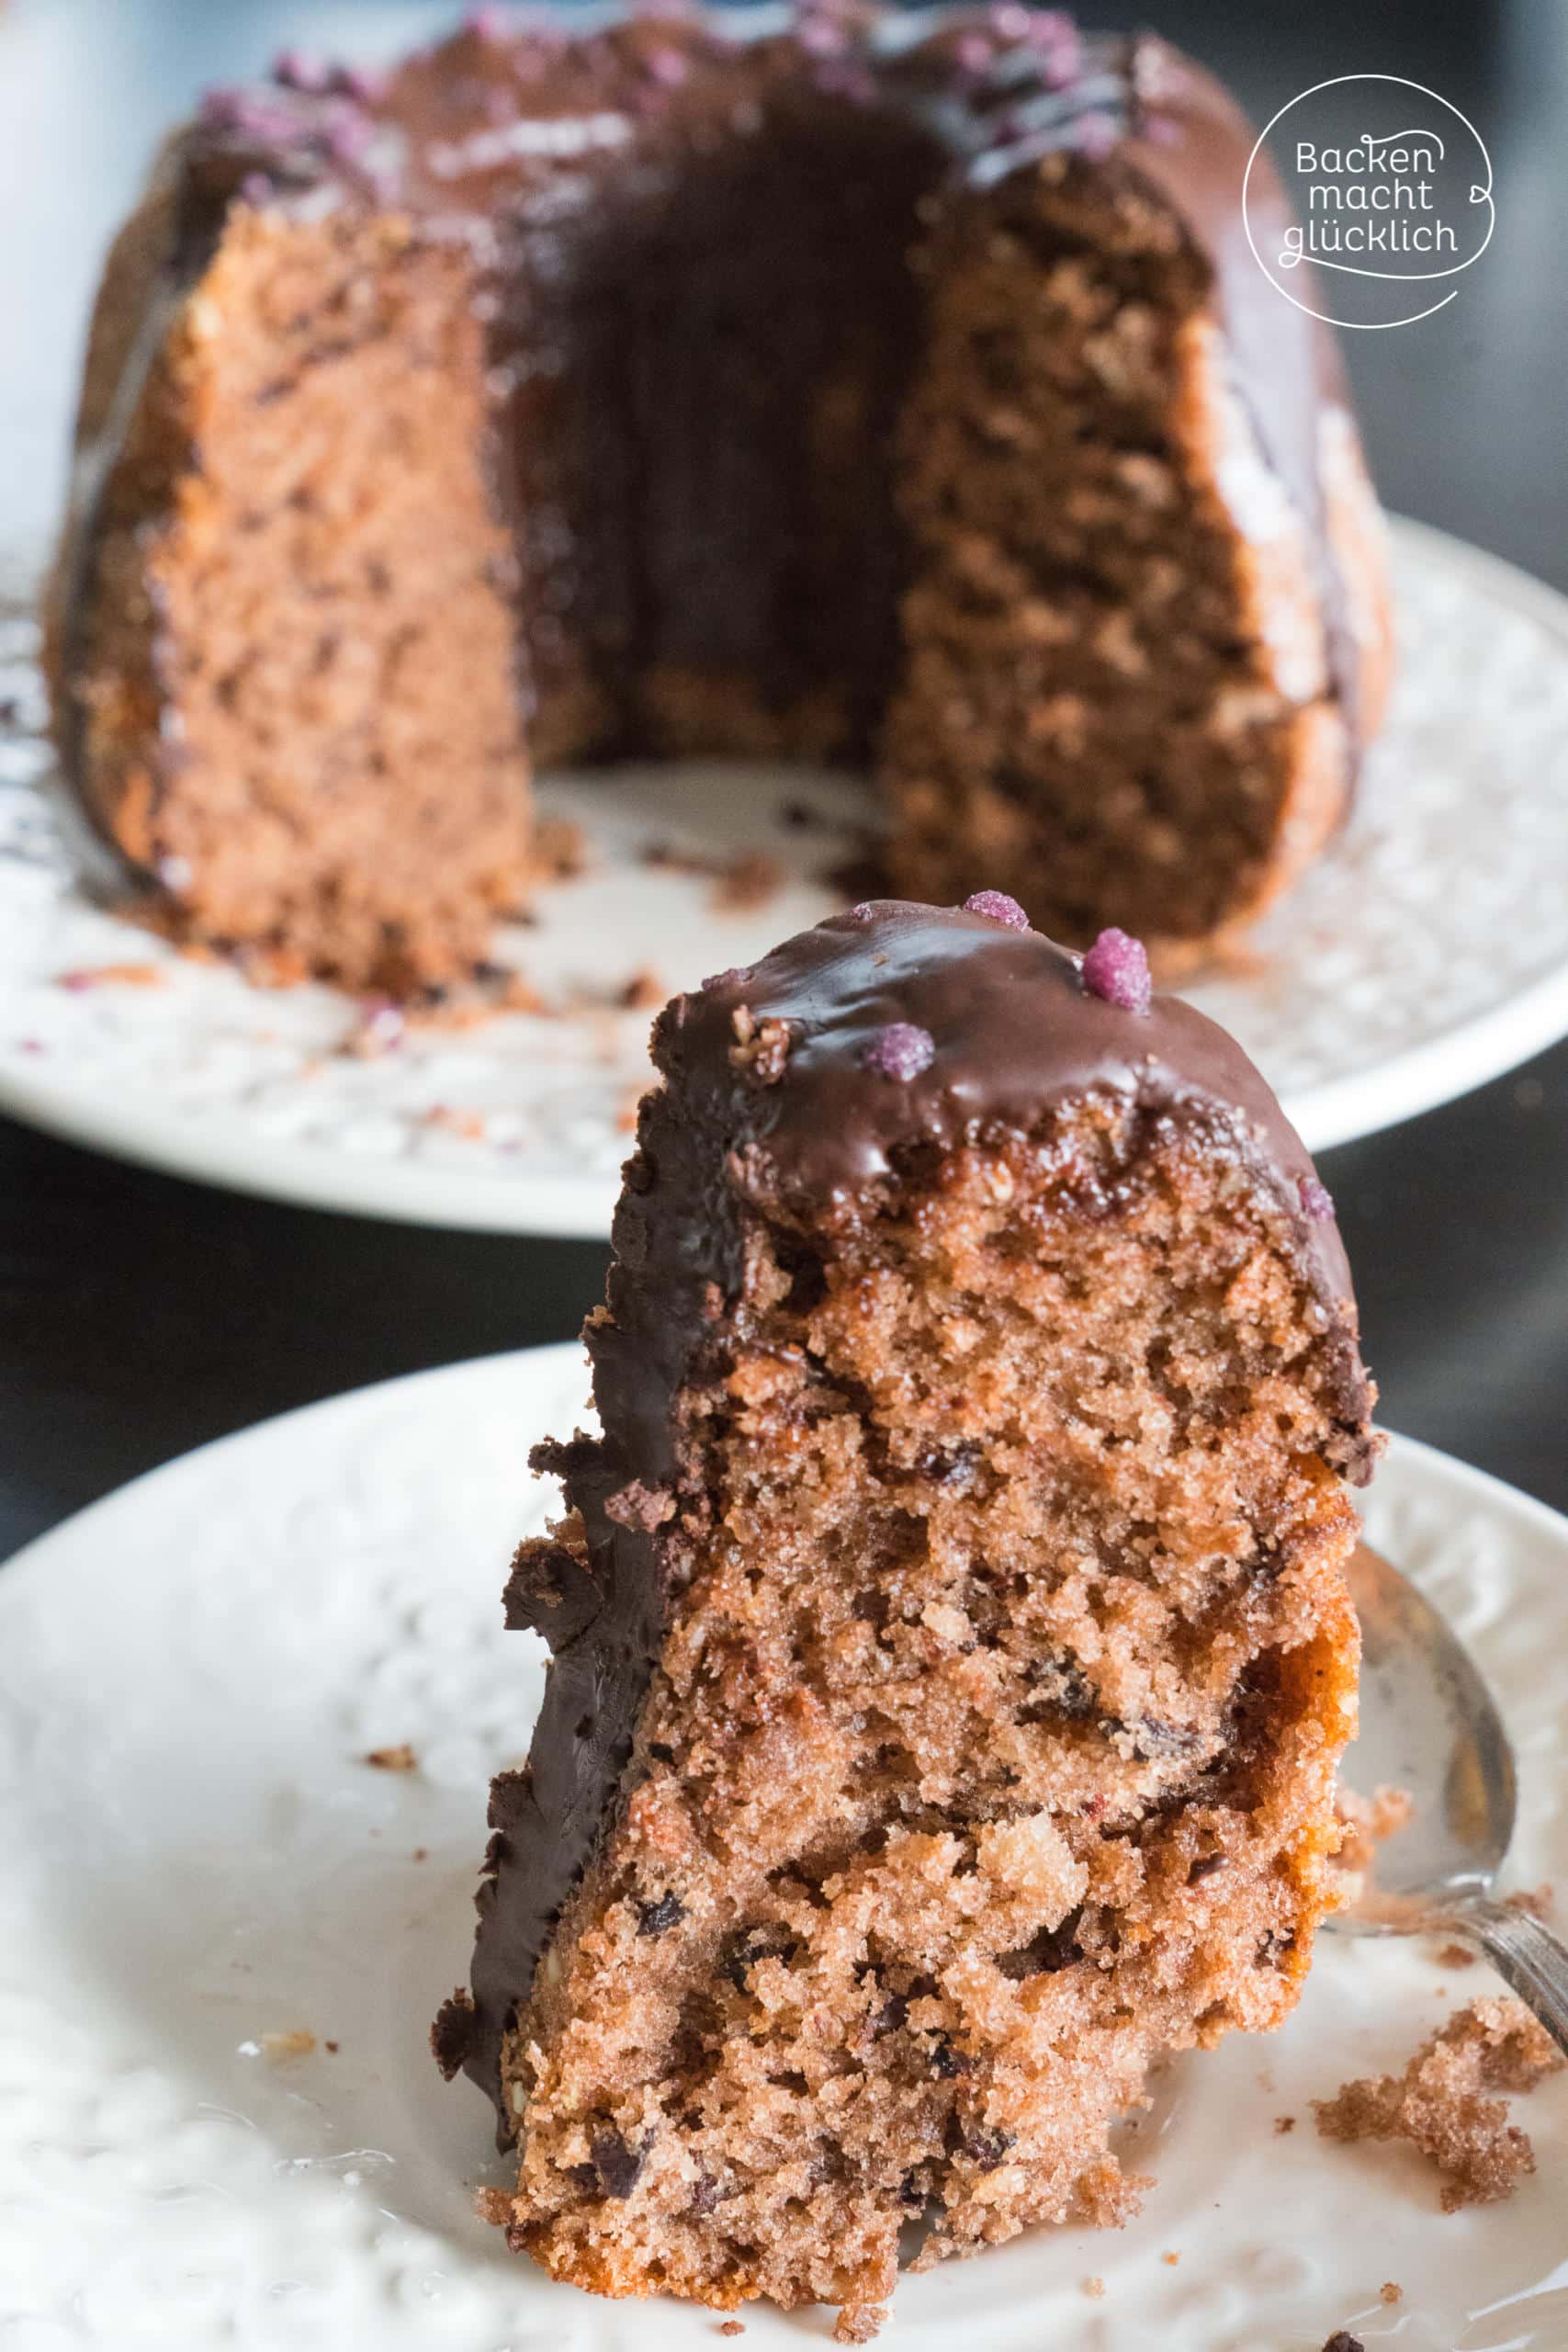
{"x": 973, "y": 53}
{"x": 348, "y": 137}
{"x": 900, "y": 1051}
{"x": 1117, "y": 969}
{"x": 1011, "y": 19}
{"x": 668, "y": 66}
{"x": 1317, "y": 1201}
{"x": 486, "y": 24}
{"x": 997, "y": 907}
{"x": 300, "y": 69}
{"x": 1095, "y": 137}
{"x": 1055, "y": 37}
{"x": 249, "y": 113}
{"x": 362, "y": 84}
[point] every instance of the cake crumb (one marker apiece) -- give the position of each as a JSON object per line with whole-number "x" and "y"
{"x": 644, "y": 992}
{"x": 1367, "y": 1823}
{"x": 858, "y": 2322}
{"x": 421, "y": 1853}
{"x": 559, "y": 851}
{"x": 1171, "y": 2259}
{"x": 1391, "y": 2291}
{"x": 1454, "y": 1956}
{"x": 1439, "y": 2104}
{"x": 733, "y": 2327}
{"x": 746, "y": 883}
{"x": 279, "y": 2048}
{"x": 400, "y": 1758}
{"x": 124, "y": 976}
{"x": 1538, "y": 1902}
{"x": 1094, "y": 2289}
{"x": 332, "y": 2047}
{"x": 1283, "y": 2123}
{"x": 470, "y": 1125}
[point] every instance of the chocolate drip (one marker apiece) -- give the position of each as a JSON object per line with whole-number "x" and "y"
{"x": 1014, "y": 1032}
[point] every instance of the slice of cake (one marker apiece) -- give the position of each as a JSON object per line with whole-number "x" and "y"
{"x": 902, "y": 395}
{"x": 952, "y": 1646}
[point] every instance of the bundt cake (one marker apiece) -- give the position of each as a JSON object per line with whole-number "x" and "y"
{"x": 952, "y": 1646}
{"x": 893, "y": 389}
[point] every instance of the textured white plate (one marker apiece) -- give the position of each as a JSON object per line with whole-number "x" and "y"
{"x": 1427, "y": 951}
{"x": 195, "y": 1856}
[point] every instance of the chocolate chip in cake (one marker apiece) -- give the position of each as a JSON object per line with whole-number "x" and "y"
{"x": 745, "y": 1950}
{"x": 945, "y": 2061}
{"x": 986, "y": 2150}
{"x": 951, "y": 1466}
{"x": 657, "y": 1918}
{"x": 618, "y": 2166}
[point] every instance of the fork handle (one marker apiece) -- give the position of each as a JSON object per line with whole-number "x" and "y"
{"x": 1531, "y": 1958}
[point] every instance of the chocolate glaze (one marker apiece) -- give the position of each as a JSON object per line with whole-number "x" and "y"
{"x": 1016, "y": 1035}
{"x": 567, "y": 166}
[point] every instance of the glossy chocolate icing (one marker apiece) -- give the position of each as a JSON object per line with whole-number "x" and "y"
{"x": 1014, "y": 1033}
{"x": 555, "y": 159}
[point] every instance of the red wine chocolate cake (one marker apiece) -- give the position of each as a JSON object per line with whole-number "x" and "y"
{"x": 896, "y": 389}
{"x": 952, "y": 1650}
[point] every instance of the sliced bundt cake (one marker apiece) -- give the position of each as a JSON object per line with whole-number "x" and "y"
{"x": 904, "y": 396}
{"x": 952, "y": 1647}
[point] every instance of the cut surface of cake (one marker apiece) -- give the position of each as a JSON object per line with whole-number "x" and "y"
{"x": 952, "y": 1651}
{"x": 863, "y": 392}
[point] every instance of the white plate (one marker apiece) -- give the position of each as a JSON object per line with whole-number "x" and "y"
{"x": 196, "y": 1857}
{"x": 1427, "y": 951}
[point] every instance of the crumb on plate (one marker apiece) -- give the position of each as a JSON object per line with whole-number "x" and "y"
{"x": 1440, "y": 2103}
{"x": 279, "y": 2048}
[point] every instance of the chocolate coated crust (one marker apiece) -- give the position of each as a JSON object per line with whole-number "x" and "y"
{"x": 1015, "y": 1032}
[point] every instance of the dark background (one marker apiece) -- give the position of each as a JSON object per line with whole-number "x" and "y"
{"x": 139, "y": 1316}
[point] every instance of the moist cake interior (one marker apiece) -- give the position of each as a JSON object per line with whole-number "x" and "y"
{"x": 830, "y": 395}
{"x": 952, "y": 1647}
